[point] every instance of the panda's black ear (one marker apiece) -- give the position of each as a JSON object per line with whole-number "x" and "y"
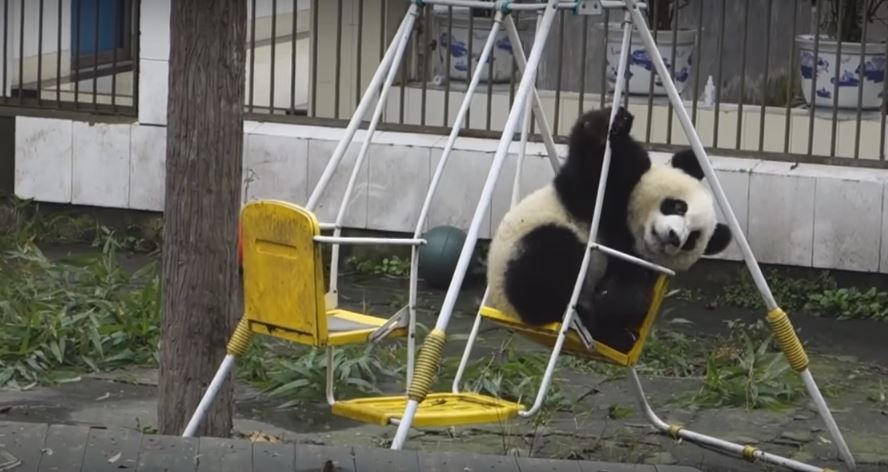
{"x": 719, "y": 240}
{"x": 687, "y": 161}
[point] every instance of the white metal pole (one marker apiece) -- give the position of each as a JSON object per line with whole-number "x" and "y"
{"x": 734, "y": 225}
{"x": 538, "y": 110}
{"x": 827, "y": 416}
{"x": 717, "y": 443}
{"x": 433, "y": 185}
{"x": 358, "y": 115}
{"x": 402, "y": 41}
{"x": 470, "y": 343}
{"x": 566, "y": 324}
{"x": 212, "y": 390}
{"x": 457, "y": 124}
{"x": 456, "y": 282}
{"x": 700, "y": 152}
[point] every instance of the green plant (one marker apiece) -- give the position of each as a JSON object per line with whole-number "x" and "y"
{"x": 843, "y": 19}
{"x": 23, "y": 222}
{"x": 848, "y": 303}
{"x": 510, "y": 374}
{"x": 79, "y": 314}
{"x": 672, "y": 354}
{"x": 393, "y": 266}
{"x": 747, "y": 371}
{"x": 618, "y": 412}
{"x": 299, "y": 374}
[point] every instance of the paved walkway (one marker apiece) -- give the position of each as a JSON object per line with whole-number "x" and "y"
{"x": 33, "y": 447}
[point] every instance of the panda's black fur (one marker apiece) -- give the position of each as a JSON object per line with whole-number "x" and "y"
{"x": 538, "y": 282}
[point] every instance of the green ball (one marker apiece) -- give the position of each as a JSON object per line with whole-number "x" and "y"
{"x": 439, "y": 256}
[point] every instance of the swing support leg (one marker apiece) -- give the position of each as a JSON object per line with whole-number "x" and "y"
{"x": 538, "y": 110}
{"x": 749, "y": 453}
{"x": 516, "y": 191}
{"x": 237, "y": 347}
{"x": 567, "y": 323}
{"x": 780, "y": 324}
{"x": 430, "y": 356}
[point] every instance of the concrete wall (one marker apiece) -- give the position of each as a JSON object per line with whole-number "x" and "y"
{"x": 803, "y": 215}
{"x": 7, "y": 154}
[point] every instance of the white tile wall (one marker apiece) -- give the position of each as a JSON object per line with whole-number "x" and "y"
{"x": 736, "y": 187}
{"x": 101, "y": 150}
{"x": 883, "y": 266}
{"x": 459, "y": 190}
{"x": 153, "y": 86}
{"x": 43, "y": 149}
{"x": 847, "y": 232}
{"x": 781, "y": 209}
{"x": 536, "y": 173}
{"x": 319, "y": 153}
{"x": 277, "y": 168}
{"x": 399, "y": 180}
{"x": 147, "y": 168}
{"x": 155, "y": 28}
{"x": 800, "y": 215}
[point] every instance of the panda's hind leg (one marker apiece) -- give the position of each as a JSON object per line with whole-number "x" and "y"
{"x": 539, "y": 282}
{"x": 618, "y": 304}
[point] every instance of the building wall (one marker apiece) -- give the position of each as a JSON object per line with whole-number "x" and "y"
{"x": 803, "y": 215}
{"x": 806, "y": 215}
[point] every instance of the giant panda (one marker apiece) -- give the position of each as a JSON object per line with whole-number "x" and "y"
{"x": 660, "y": 213}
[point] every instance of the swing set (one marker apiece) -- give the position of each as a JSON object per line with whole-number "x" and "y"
{"x": 284, "y": 289}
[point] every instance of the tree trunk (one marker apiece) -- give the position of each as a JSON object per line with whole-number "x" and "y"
{"x": 203, "y": 183}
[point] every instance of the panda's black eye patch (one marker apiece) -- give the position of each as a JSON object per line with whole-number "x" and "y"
{"x": 691, "y": 242}
{"x": 673, "y": 206}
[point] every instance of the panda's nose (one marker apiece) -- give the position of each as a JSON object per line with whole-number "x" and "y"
{"x": 673, "y": 238}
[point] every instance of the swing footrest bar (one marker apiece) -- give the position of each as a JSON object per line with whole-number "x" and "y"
{"x": 437, "y": 410}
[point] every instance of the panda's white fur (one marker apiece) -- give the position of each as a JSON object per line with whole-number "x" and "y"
{"x": 539, "y": 208}
{"x": 644, "y": 218}
{"x": 662, "y": 213}
{"x": 649, "y": 226}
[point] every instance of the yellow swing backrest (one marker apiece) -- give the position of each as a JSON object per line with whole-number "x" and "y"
{"x": 283, "y": 272}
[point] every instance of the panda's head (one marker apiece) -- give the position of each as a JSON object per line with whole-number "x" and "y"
{"x": 672, "y": 215}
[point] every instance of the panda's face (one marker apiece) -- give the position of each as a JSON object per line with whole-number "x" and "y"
{"x": 672, "y": 217}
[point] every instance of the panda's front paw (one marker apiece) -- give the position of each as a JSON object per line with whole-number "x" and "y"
{"x": 622, "y": 123}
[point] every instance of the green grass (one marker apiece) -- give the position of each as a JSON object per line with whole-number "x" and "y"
{"x": 819, "y": 295}
{"x": 78, "y": 315}
{"x": 87, "y": 314}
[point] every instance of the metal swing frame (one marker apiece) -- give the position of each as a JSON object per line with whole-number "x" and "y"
{"x": 422, "y": 370}
{"x": 789, "y": 343}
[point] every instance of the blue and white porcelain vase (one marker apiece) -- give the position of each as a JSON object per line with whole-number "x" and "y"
{"x": 641, "y": 65}
{"x": 829, "y": 68}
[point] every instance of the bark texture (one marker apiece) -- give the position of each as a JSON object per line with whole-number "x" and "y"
{"x": 202, "y": 201}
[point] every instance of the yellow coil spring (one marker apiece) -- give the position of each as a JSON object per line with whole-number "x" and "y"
{"x": 749, "y": 453}
{"x": 788, "y": 340}
{"x": 427, "y": 365}
{"x": 674, "y": 430}
{"x": 240, "y": 339}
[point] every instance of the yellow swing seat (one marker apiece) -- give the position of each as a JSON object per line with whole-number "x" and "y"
{"x": 437, "y": 410}
{"x": 547, "y": 334}
{"x": 284, "y": 281}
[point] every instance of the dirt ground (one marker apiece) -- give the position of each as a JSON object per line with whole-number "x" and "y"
{"x": 849, "y": 354}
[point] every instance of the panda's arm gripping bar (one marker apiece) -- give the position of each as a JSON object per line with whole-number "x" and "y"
{"x": 632, "y": 259}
